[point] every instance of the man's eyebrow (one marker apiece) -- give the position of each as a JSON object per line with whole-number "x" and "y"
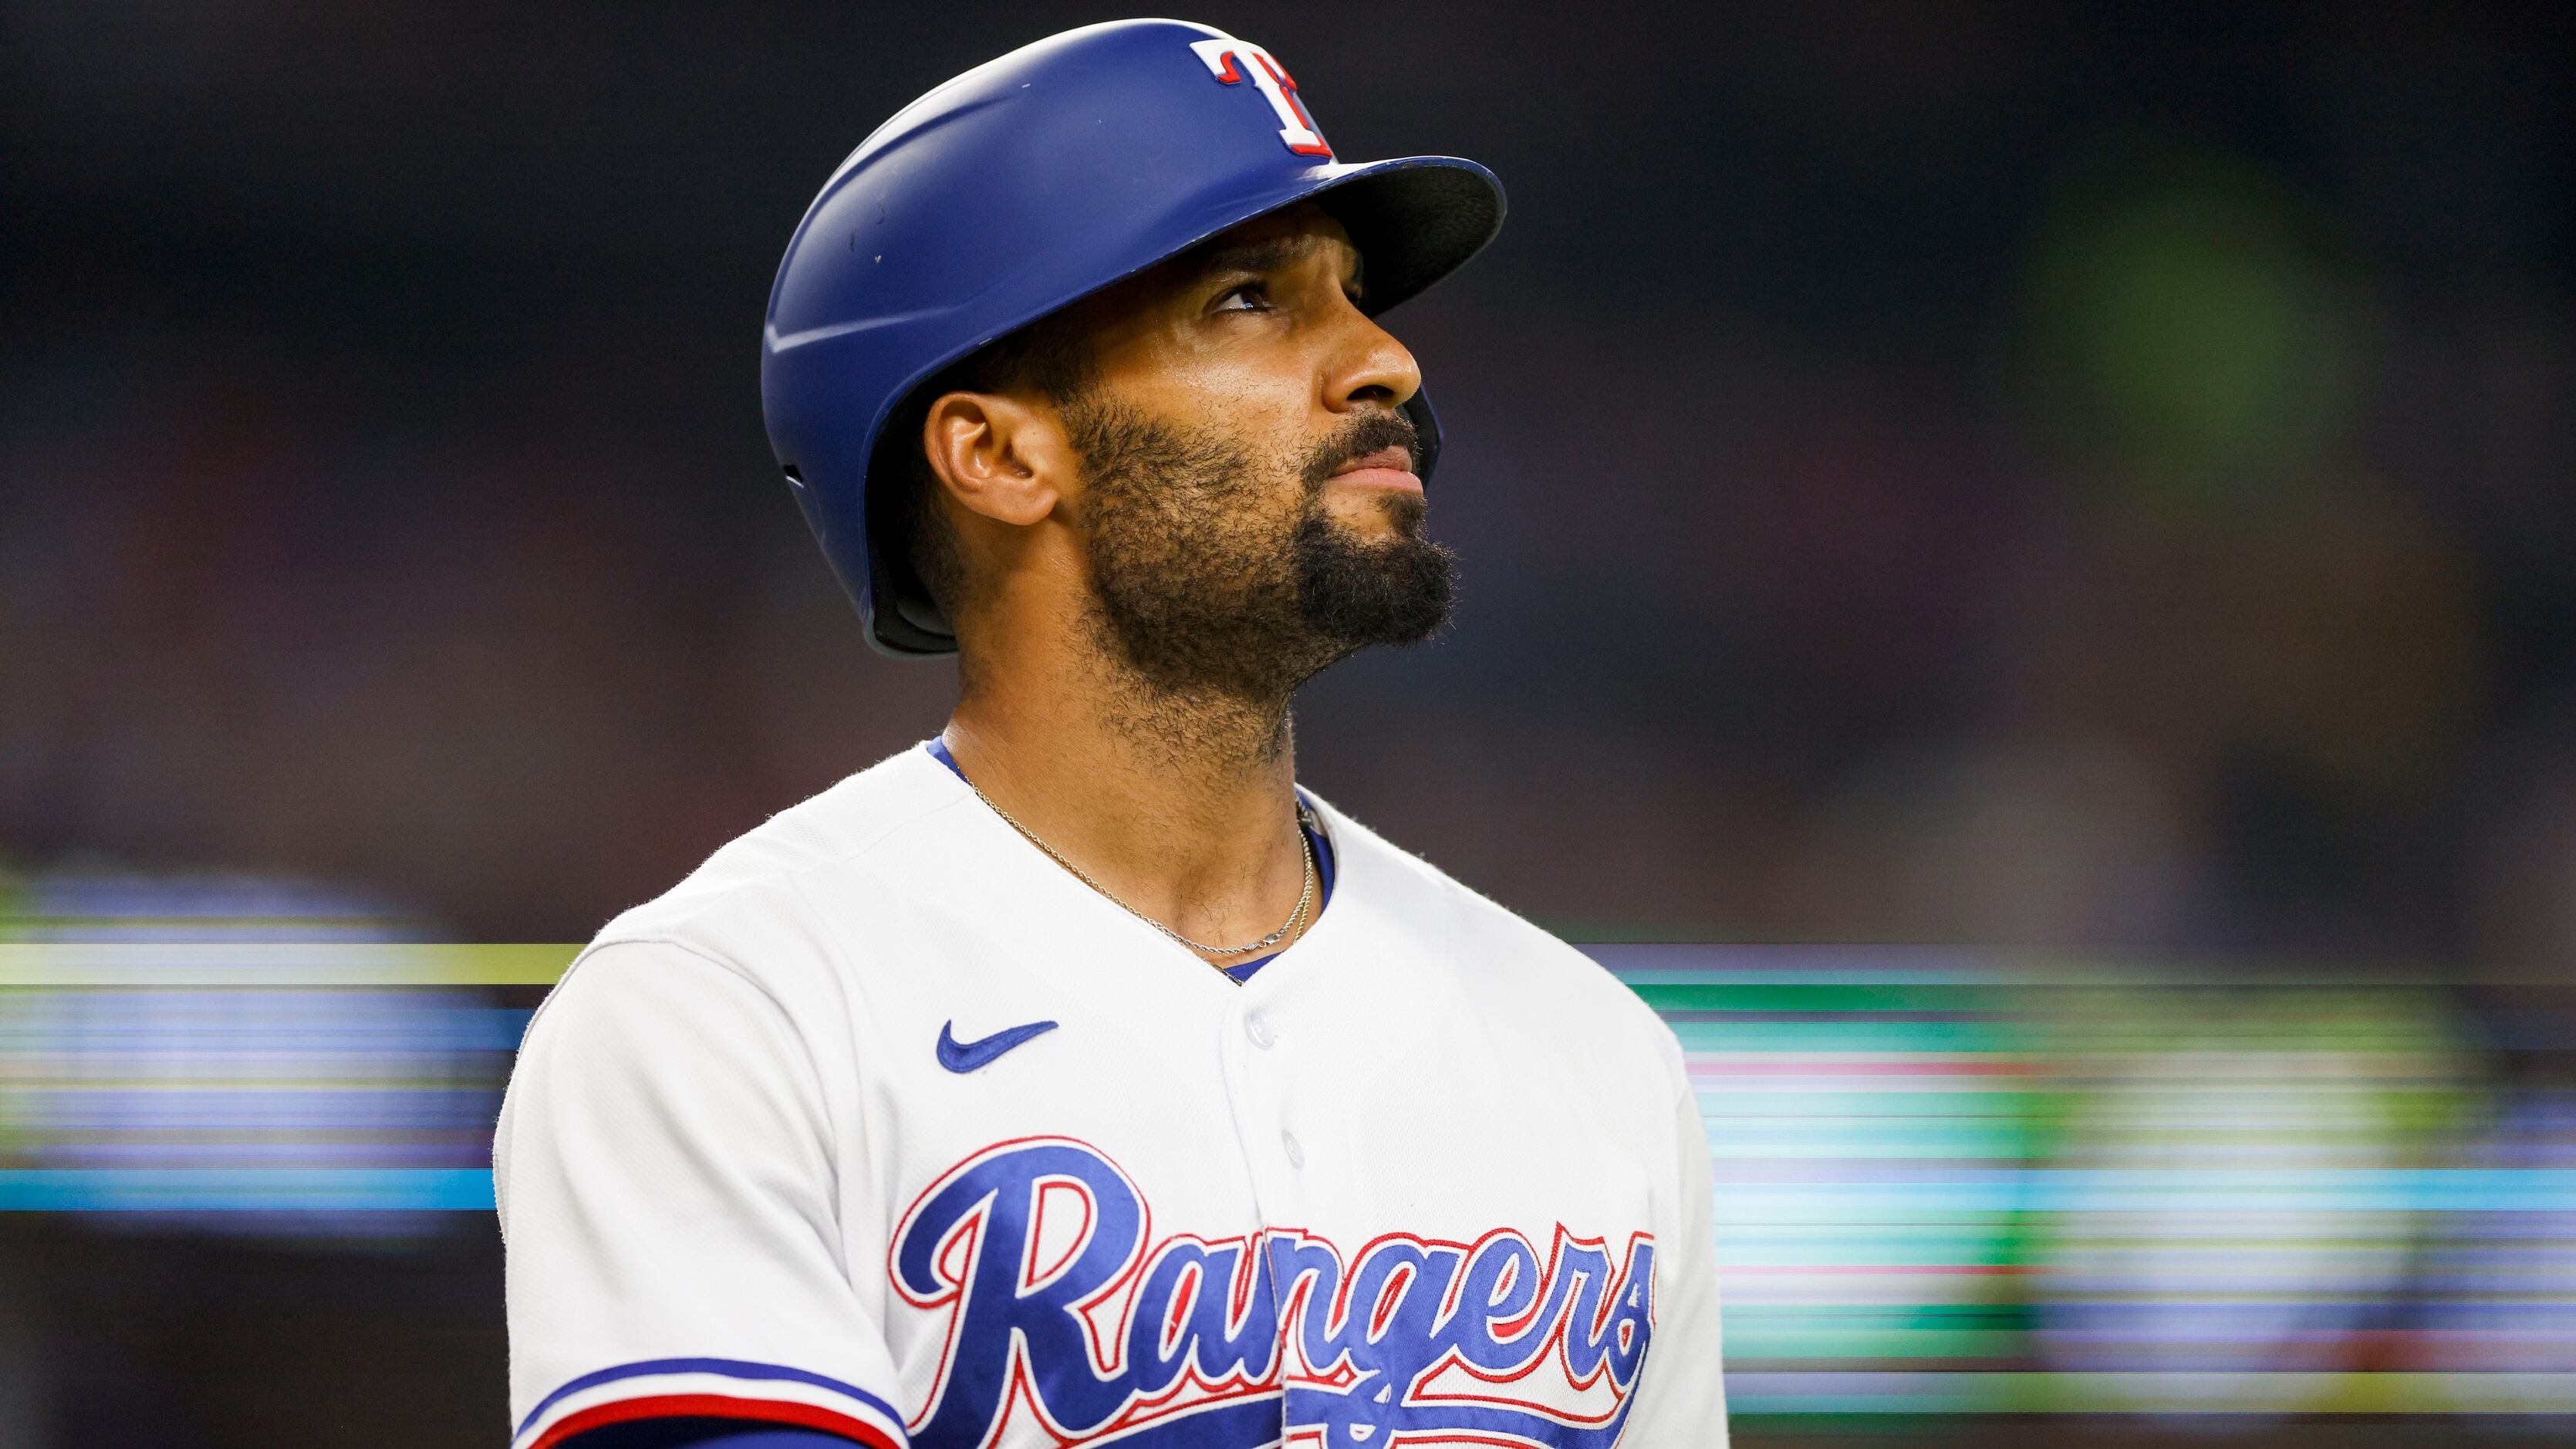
{"x": 1268, "y": 256}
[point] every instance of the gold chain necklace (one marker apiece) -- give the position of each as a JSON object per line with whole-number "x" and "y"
{"x": 1305, "y": 897}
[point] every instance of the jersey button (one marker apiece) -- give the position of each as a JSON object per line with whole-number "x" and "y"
{"x": 1288, "y": 1144}
{"x": 1257, "y": 1027}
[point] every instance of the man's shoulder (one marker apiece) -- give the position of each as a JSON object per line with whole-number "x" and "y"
{"x": 760, "y": 878}
{"x": 1506, "y": 958}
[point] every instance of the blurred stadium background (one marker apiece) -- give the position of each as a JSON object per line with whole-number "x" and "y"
{"x": 2065, "y": 511}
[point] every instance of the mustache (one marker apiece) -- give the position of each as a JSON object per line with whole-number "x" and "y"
{"x": 1364, "y": 436}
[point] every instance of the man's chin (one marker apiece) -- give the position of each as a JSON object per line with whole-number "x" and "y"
{"x": 1393, "y": 589}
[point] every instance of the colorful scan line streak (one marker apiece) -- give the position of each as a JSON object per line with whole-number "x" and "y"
{"x": 274, "y": 965}
{"x": 359, "y": 1189}
{"x": 1943, "y": 1174}
{"x": 257, "y": 1189}
{"x": 1885, "y": 1125}
{"x": 2147, "y": 1391}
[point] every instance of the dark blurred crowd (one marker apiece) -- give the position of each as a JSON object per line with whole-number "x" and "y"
{"x": 2073, "y": 475}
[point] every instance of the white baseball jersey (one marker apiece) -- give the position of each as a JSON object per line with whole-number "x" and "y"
{"x": 883, "y": 1123}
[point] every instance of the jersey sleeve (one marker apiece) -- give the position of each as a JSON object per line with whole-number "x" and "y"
{"x": 1681, "y": 1396}
{"x": 664, "y": 1167}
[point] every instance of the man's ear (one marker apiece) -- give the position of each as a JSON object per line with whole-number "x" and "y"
{"x": 998, "y": 456}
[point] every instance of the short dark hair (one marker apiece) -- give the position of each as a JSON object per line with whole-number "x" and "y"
{"x": 1049, "y": 357}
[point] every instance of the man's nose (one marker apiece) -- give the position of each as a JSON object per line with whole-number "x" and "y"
{"x": 1371, "y": 367}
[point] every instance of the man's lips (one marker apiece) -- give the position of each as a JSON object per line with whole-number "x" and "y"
{"x": 1385, "y": 468}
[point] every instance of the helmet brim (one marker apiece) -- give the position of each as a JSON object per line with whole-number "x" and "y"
{"x": 1413, "y": 220}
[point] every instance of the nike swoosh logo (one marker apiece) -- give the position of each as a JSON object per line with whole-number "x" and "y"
{"x": 970, "y": 1056}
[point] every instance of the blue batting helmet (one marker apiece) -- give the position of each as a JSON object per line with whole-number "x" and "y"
{"x": 1022, "y": 186}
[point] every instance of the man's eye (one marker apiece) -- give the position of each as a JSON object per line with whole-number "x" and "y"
{"x": 1250, "y": 297}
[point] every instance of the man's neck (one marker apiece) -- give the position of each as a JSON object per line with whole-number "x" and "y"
{"x": 1181, "y": 804}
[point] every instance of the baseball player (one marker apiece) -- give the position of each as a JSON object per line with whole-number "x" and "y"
{"x": 1075, "y": 1078}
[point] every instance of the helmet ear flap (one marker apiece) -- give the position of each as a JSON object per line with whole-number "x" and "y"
{"x": 1426, "y": 430}
{"x": 904, "y": 618}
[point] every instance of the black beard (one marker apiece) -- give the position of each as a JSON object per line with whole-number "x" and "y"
{"x": 1200, "y": 589}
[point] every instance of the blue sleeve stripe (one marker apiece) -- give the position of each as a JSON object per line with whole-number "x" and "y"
{"x": 732, "y": 1368}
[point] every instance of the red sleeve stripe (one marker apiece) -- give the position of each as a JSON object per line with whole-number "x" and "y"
{"x": 715, "y": 1406}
